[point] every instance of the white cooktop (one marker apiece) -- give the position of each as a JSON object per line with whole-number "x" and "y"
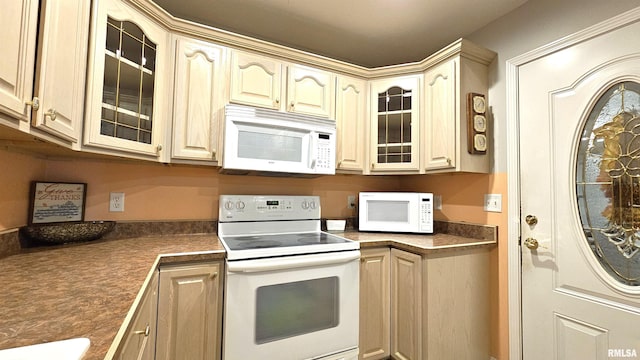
{"x": 258, "y": 226}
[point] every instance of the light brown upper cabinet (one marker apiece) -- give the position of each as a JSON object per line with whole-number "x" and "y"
{"x": 198, "y": 101}
{"x": 446, "y": 129}
{"x": 351, "y": 124}
{"x": 18, "y": 30}
{"x": 395, "y": 125}
{"x": 127, "y": 93}
{"x": 260, "y": 81}
{"x": 61, "y": 68}
{"x": 52, "y": 101}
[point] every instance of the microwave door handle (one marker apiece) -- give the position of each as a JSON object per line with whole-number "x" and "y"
{"x": 312, "y": 151}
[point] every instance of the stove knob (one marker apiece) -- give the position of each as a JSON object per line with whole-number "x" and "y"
{"x": 240, "y": 205}
{"x": 305, "y": 205}
{"x": 228, "y": 205}
{"x": 312, "y": 205}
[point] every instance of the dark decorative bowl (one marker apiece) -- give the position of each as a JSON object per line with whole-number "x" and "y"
{"x": 61, "y": 233}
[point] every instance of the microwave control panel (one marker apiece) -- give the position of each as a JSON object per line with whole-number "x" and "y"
{"x": 324, "y": 152}
{"x": 426, "y": 213}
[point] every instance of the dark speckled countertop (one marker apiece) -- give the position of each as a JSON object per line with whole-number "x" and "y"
{"x": 87, "y": 289}
{"x": 84, "y": 290}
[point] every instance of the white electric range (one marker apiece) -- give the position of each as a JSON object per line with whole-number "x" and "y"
{"x": 291, "y": 290}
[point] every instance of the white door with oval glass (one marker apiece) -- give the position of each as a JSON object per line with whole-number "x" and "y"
{"x": 579, "y": 110}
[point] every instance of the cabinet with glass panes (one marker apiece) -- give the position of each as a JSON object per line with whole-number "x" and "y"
{"x": 395, "y": 122}
{"x": 125, "y": 108}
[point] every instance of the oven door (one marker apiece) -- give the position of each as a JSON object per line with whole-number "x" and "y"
{"x": 294, "y": 307}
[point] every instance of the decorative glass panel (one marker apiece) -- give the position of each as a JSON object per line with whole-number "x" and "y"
{"x": 394, "y": 125}
{"x": 127, "y": 98}
{"x": 608, "y": 181}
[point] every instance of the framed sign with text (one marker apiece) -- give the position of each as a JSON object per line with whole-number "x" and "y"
{"x": 53, "y": 202}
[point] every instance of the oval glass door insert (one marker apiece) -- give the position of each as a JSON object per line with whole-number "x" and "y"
{"x": 608, "y": 181}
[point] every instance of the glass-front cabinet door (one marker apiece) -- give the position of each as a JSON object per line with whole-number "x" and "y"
{"x": 125, "y": 110}
{"x": 395, "y": 122}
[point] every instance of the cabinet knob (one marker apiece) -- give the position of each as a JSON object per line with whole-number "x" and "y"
{"x": 373, "y": 165}
{"x": 52, "y": 114}
{"x": 158, "y": 148}
{"x": 277, "y": 101}
{"x": 292, "y": 105}
{"x": 144, "y": 332}
{"x": 213, "y": 153}
{"x": 35, "y": 104}
{"x": 448, "y": 161}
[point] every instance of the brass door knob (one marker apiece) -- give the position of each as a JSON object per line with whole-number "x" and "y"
{"x": 531, "y": 220}
{"x": 531, "y": 243}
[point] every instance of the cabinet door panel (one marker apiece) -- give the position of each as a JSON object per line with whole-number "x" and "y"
{"x": 140, "y": 341}
{"x": 406, "y": 305}
{"x": 374, "y": 304}
{"x": 18, "y": 29}
{"x": 189, "y": 311}
{"x": 255, "y": 80}
{"x": 197, "y": 96}
{"x": 127, "y": 97}
{"x": 61, "y": 72}
{"x": 351, "y": 118}
{"x": 309, "y": 91}
{"x": 395, "y": 124}
{"x": 440, "y": 116}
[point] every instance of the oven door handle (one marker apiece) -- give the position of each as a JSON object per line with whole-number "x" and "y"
{"x": 280, "y": 263}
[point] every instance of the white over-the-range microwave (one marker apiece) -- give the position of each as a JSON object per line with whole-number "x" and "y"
{"x": 274, "y": 142}
{"x": 407, "y": 212}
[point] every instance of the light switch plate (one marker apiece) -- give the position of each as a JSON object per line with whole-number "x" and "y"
{"x": 351, "y": 202}
{"x": 493, "y": 202}
{"x": 116, "y": 202}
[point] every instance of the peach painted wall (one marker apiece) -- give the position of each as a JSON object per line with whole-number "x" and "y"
{"x": 462, "y": 200}
{"x": 161, "y": 192}
{"x": 16, "y": 173}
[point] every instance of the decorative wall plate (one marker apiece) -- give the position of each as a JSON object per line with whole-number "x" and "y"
{"x": 476, "y": 124}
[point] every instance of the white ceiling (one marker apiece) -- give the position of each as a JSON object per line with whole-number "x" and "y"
{"x": 370, "y": 33}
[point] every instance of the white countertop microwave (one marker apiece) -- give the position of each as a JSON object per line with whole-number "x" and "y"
{"x": 264, "y": 140}
{"x": 406, "y": 212}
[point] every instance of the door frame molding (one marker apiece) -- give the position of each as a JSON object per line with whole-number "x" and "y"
{"x": 513, "y": 162}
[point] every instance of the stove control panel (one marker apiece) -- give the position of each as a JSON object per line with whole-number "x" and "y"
{"x": 268, "y": 207}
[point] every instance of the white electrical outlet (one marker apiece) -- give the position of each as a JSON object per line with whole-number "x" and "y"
{"x": 493, "y": 202}
{"x": 116, "y": 202}
{"x": 351, "y": 202}
{"x": 437, "y": 202}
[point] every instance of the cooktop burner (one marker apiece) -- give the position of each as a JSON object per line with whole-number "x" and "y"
{"x": 244, "y": 242}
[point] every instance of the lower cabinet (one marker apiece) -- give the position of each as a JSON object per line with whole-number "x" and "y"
{"x": 374, "y": 304}
{"x": 190, "y": 311}
{"x": 178, "y": 317}
{"x": 406, "y": 305}
{"x": 422, "y": 307}
{"x": 139, "y": 342}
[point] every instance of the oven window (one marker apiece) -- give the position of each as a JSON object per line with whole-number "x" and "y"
{"x": 388, "y": 211}
{"x": 296, "y": 308}
{"x": 265, "y": 146}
